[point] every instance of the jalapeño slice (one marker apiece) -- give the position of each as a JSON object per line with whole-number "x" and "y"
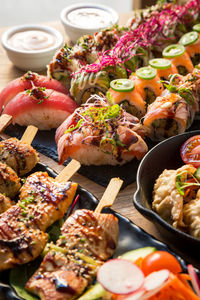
{"x": 196, "y": 27}
{"x": 122, "y": 85}
{"x": 146, "y": 73}
{"x": 173, "y": 50}
{"x": 160, "y": 63}
{"x": 189, "y": 38}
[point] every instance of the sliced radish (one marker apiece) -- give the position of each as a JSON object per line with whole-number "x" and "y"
{"x": 120, "y": 276}
{"x": 135, "y": 295}
{"x": 194, "y": 279}
{"x": 156, "y": 279}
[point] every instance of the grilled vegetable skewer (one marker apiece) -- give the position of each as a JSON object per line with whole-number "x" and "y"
{"x": 43, "y": 200}
{"x": 88, "y": 238}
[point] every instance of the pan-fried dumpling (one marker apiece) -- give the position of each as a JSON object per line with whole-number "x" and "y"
{"x": 191, "y": 216}
{"x": 167, "y": 201}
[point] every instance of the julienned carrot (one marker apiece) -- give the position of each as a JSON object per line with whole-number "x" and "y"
{"x": 175, "y": 289}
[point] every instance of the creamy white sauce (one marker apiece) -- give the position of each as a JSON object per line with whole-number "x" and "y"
{"x": 90, "y": 78}
{"x": 31, "y": 40}
{"x": 90, "y": 17}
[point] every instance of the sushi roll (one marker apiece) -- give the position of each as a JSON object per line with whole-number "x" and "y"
{"x": 179, "y": 57}
{"x": 164, "y": 67}
{"x": 116, "y": 71}
{"x": 147, "y": 84}
{"x": 64, "y": 63}
{"x": 27, "y": 81}
{"x": 43, "y": 108}
{"x": 140, "y": 59}
{"x": 167, "y": 116}
{"x": 191, "y": 42}
{"x": 99, "y": 133}
{"x": 85, "y": 84}
{"x": 123, "y": 92}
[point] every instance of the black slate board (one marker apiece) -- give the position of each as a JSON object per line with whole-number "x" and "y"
{"x": 44, "y": 142}
{"x": 131, "y": 236}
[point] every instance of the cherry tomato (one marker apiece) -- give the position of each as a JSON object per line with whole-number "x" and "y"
{"x": 190, "y": 151}
{"x": 159, "y": 260}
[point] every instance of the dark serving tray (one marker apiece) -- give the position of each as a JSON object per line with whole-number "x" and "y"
{"x": 131, "y": 236}
{"x": 44, "y": 142}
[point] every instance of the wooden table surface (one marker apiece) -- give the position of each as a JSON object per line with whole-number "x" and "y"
{"x": 123, "y": 204}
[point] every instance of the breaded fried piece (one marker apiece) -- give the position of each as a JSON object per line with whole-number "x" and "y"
{"x": 20, "y": 156}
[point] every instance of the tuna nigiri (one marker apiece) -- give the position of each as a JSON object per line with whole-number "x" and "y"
{"x": 99, "y": 133}
{"x": 28, "y": 81}
{"x": 41, "y": 107}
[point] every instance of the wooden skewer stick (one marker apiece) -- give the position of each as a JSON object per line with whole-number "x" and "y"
{"x": 29, "y": 134}
{"x": 5, "y": 120}
{"x": 68, "y": 171}
{"x": 110, "y": 194}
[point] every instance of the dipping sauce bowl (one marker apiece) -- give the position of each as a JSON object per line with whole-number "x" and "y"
{"x": 31, "y": 47}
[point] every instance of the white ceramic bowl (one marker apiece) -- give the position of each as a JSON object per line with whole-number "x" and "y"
{"x": 76, "y": 31}
{"x": 35, "y": 60}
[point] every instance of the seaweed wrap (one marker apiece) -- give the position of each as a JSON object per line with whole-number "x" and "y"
{"x": 123, "y": 93}
{"x": 140, "y": 59}
{"x": 179, "y": 57}
{"x": 147, "y": 84}
{"x": 167, "y": 116}
{"x": 164, "y": 67}
{"x": 84, "y": 84}
{"x": 191, "y": 42}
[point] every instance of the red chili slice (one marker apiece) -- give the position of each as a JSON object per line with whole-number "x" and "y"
{"x": 190, "y": 151}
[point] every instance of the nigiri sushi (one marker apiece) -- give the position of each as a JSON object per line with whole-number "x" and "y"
{"x": 28, "y": 81}
{"x": 41, "y": 107}
{"x": 99, "y": 133}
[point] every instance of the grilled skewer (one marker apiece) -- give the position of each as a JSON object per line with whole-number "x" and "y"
{"x": 43, "y": 200}
{"x": 87, "y": 239}
{"x": 20, "y": 155}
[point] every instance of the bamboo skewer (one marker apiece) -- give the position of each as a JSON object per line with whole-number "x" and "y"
{"x": 29, "y": 134}
{"x": 68, "y": 171}
{"x": 110, "y": 194}
{"x": 5, "y": 120}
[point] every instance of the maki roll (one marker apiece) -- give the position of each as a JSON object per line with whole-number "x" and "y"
{"x": 123, "y": 92}
{"x": 179, "y": 57}
{"x": 164, "y": 67}
{"x": 84, "y": 84}
{"x": 116, "y": 71}
{"x": 99, "y": 133}
{"x": 140, "y": 59}
{"x": 167, "y": 116}
{"x": 191, "y": 41}
{"x": 147, "y": 84}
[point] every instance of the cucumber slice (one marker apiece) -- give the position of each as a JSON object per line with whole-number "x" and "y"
{"x": 97, "y": 291}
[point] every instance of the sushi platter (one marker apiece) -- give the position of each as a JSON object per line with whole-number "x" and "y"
{"x": 103, "y": 103}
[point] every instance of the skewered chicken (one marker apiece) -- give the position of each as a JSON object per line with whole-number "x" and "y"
{"x": 42, "y": 202}
{"x": 87, "y": 239}
{"x": 5, "y": 203}
{"x": 9, "y": 181}
{"x": 20, "y": 156}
